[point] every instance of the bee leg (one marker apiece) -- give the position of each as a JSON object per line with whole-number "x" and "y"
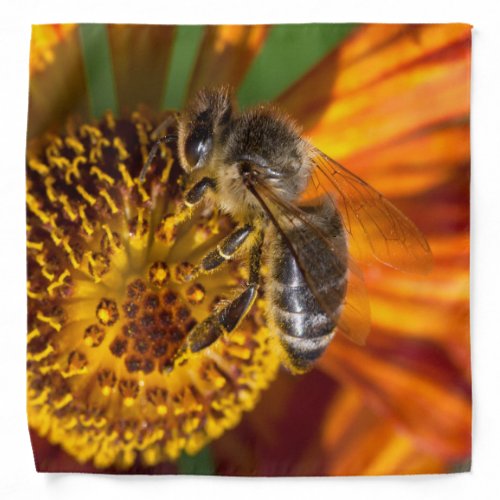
{"x": 196, "y": 193}
{"x": 221, "y": 323}
{"x": 222, "y": 253}
{"x": 227, "y": 319}
{"x": 152, "y": 154}
{"x": 170, "y": 121}
{"x": 193, "y": 196}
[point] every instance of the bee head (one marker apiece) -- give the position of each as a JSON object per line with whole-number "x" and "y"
{"x": 203, "y": 127}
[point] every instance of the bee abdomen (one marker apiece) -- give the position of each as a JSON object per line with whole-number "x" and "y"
{"x": 303, "y": 352}
{"x": 304, "y": 328}
{"x": 298, "y": 313}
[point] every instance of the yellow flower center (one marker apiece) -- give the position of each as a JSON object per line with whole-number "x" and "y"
{"x": 109, "y": 308}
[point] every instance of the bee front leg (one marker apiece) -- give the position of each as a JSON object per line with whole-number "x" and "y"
{"x": 171, "y": 120}
{"x": 192, "y": 198}
{"x": 227, "y": 319}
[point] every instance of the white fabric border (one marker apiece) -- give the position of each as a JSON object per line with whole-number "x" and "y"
{"x": 18, "y": 478}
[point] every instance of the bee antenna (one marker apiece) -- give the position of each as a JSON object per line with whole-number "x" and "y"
{"x": 162, "y": 140}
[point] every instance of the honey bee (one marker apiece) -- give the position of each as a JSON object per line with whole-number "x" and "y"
{"x": 255, "y": 166}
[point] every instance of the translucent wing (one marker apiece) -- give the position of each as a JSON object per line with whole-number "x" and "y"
{"x": 393, "y": 238}
{"x": 302, "y": 234}
{"x": 355, "y": 320}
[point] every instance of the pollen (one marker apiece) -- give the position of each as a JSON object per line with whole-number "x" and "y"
{"x": 195, "y": 294}
{"x": 107, "y": 312}
{"x": 113, "y": 291}
{"x": 158, "y": 274}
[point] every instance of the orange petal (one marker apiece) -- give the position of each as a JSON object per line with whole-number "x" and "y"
{"x": 226, "y": 54}
{"x": 59, "y": 90}
{"x": 432, "y": 91}
{"x": 397, "y": 110}
{"x": 417, "y": 162}
{"x": 44, "y": 38}
{"x": 140, "y": 56}
{"x": 432, "y": 308}
{"x": 398, "y": 50}
{"x": 396, "y": 381}
{"x": 355, "y": 441}
{"x": 373, "y": 53}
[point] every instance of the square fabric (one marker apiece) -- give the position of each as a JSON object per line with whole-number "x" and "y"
{"x": 248, "y": 249}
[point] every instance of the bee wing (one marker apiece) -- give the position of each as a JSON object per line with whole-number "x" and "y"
{"x": 290, "y": 220}
{"x": 393, "y": 238}
{"x": 355, "y": 319}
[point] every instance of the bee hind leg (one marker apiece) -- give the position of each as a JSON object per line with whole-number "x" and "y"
{"x": 222, "y": 253}
{"x": 226, "y": 320}
{"x": 222, "y": 322}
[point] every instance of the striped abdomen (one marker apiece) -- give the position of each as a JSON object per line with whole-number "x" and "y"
{"x": 304, "y": 328}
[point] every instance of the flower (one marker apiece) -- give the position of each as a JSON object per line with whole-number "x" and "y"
{"x": 108, "y": 306}
{"x": 390, "y": 102}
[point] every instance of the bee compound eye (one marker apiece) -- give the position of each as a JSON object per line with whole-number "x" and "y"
{"x": 198, "y": 145}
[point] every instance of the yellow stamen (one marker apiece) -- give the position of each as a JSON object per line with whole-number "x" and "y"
{"x": 85, "y": 222}
{"x": 126, "y": 176}
{"x": 101, "y": 175}
{"x": 33, "y": 334}
{"x": 47, "y": 319}
{"x": 40, "y": 355}
{"x": 73, "y": 169}
{"x": 34, "y": 206}
{"x": 38, "y": 166}
{"x": 75, "y": 145}
{"x": 71, "y": 254}
{"x": 86, "y": 195}
{"x": 122, "y": 150}
{"x": 35, "y": 245}
{"x": 166, "y": 171}
{"x": 60, "y": 282}
{"x": 109, "y": 200}
{"x": 60, "y": 162}
{"x": 51, "y": 195}
{"x": 63, "y": 199}
{"x": 141, "y": 190}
